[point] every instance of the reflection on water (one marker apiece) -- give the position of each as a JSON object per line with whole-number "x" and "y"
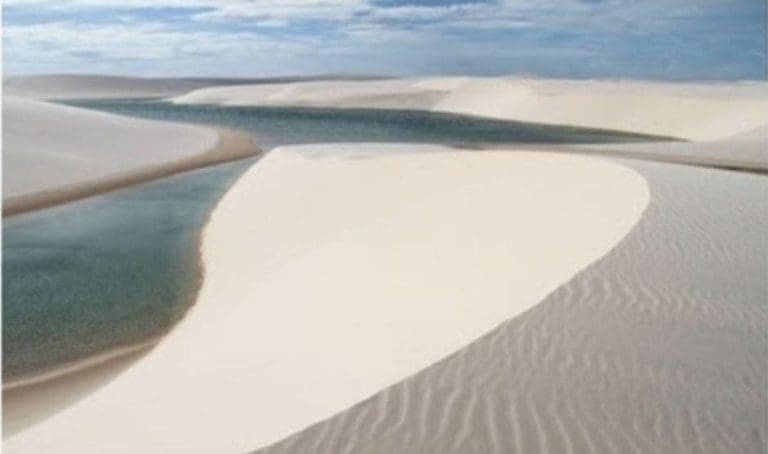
{"x": 102, "y": 273}
{"x": 294, "y": 125}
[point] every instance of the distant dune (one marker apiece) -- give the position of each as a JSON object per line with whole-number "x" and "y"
{"x": 75, "y": 86}
{"x": 694, "y": 111}
{"x": 689, "y": 111}
{"x": 89, "y": 86}
{"x": 389, "y": 94}
{"x": 54, "y": 153}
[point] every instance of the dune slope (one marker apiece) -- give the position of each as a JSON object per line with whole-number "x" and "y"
{"x": 659, "y": 347}
{"x": 335, "y": 271}
{"x": 54, "y": 153}
{"x": 688, "y": 111}
{"x": 88, "y": 86}
{"x": 746, "y": 151}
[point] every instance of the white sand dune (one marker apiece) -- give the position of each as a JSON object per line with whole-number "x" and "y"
{"x": 334, "y": 271}
{"x": 699, "y": 112}
{"x": 94, "y": 86}
{"x": 659, "y": 347}
{"x": 667, "y": 110}
{"x": 54, "y": 153}
{"x": 389, "y": 94}
{"x": 748, "y": 151}
{"x": 90, "y": 86}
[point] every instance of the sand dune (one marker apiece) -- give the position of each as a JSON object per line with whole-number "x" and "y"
{"x": 650, "y": 109}
{"x": 334, "y": 271}
{"x": 93, "y": 86}
{"x": 54, "y": 153}
{"x": 86, "y": 86}
{"x": 699, "y": 112}
{"x": 659, "y": 347}
{"x": 385, "y": 94}
{"x": 747, "y": 151}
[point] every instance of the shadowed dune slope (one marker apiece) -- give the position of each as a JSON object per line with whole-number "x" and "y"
{"x": 658, "y": 347}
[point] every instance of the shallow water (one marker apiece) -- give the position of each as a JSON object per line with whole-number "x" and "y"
{"x": 275, "y": 126}
{"x": 102, "y": 273}
{"x": 110, "y": 271}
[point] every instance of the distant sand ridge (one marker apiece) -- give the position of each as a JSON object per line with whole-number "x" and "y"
{"x": 693, "y": 111}
{"x": 92, "y": 86}
{"x": 744, "y": 151}
{"x": 82, "y": 86}
{"x": 698, "y": 112}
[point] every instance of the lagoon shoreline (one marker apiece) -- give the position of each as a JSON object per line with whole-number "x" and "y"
{"x": 230, "y": 146}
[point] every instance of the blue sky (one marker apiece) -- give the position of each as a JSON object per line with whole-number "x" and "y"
{"x": 658, "y": 39}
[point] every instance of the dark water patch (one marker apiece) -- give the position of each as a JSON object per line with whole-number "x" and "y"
{"x": 88, "y": 277}
{"x": 274, "y": 126}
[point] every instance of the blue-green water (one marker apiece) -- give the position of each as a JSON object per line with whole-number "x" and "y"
{"x": 106, "y": 272}
{"x": 274, "y": 126}
{"x": 87, "y": 277}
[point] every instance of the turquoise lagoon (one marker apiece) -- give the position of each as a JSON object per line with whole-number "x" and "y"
{"x": 275, "y": 126}
{"x": 106, "y": 272}
{"x": 88, "y": 277}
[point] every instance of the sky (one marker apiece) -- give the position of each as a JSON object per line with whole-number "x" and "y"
{"x": 640, "y": 39}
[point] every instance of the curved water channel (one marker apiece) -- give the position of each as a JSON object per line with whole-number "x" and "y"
{"x": 100, "y": 274}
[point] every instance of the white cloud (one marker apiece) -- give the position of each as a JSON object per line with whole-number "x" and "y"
{"x": 64, "y": 42}
{"x": 283, "y": 10}
{"x": 79, "y": 33}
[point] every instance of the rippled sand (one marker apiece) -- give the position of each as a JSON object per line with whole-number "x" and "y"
{"x": 332, "y": 272}
{"x": 658, "y": 347}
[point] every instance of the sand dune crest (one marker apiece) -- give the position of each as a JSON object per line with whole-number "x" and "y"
{"x": 325, "y": 290}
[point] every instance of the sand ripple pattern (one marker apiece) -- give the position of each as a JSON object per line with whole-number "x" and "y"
{"x": 660, "y": 347}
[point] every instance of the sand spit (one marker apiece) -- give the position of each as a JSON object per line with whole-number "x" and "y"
{"x": 701, "y": 112}
{"x": 77, "y": 366}
{"x": 323, "y": 295}
{"x": 54, "y": 154}
{"x": 659, "y": 347}
{"x": 687, "y": 111}
{"x": 747, "y": 151}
